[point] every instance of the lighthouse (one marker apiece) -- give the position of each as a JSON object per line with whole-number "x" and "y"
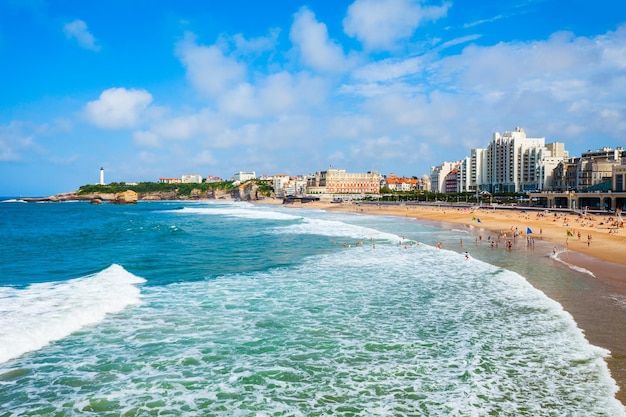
{"x": 101, "y": 176}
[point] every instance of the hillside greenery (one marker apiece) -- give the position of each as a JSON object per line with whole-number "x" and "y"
{"x": 181, "y": 189}
{"x": 264, "y": 188}
{"x": 427, "y": 196}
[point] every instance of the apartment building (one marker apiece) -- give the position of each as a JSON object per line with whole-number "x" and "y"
{"x": 191, "y": 178}
{"x": 438, "y": 175}
{"x": 170, "y": 180}
{"x": 241, "y": 176}
{"x": 338, "y": 181}
{"x": 396, "y": 183}
{"x": 279, "y": 182}
{"x": 595, "y": 167}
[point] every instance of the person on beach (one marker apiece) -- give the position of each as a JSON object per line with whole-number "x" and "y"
{"x": 466, "y": 255}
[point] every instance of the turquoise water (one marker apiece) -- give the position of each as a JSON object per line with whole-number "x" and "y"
{"x": 232, "y": 309}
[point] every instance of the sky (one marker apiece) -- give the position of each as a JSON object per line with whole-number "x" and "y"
{"x": 153, "y": 88}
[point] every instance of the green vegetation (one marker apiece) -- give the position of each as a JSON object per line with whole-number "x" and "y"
{"x": 154, "y": 187}
{"x": 264, "y": 188}
{"x": 418, "y": 195}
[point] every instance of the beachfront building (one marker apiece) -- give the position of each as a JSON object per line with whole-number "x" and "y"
{"x": 191, "y": 179}
{"x": 279, "y": 182}
{"x": 545, "y": 172}
{"x": 241, "y": 177}
{"x": 619, "y": 178}
{"x": 471, "y": 172}
{"x": 338, "y": 181}
{"x": 564, "y": 175}
{"x": 296, "y": 186}
{"x": 596, "y": 167}
{"x": 547, "y": 165}
{"x": 396, "y": 183}
{"x": 438, "y": 175}
{"x": 286, "y": 186}
{"x": 517, "y": 163}
{"x": 463, "y": 175}
{"x": 452, "y": 182}
{"x": 424, "y": 183}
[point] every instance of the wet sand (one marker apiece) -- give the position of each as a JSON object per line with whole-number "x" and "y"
{"x": 597, "y": 302}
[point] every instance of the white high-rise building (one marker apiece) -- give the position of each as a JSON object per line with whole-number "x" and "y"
{"x": 438, "y": 175}
{"x": 516, "y": 163}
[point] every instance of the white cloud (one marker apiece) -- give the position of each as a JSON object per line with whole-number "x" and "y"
{"x": 78, "y": 31}
{"x": 382, "y": 148}
{"x": 205, "y": 158}
{"x": 274, "y": 96}
{"x": 256, "y": 45}
{"x": 316, "y": 49}
{"x": 180, "y": 128}
{"x": 247, "y": 134}
{"x": 118, "y": 108}
{"x": 16, "y": 138}
{"x": 565, "y": 88}
{"x": 283, "y": 94}
{"x": 389, "y": 69}
{"x": 147, "y": 139}
{"x": 380, "y": 24}
{"x": 208, "y": 69}
{"x": 241, "y": 101}
{"x": 458, "y": 41}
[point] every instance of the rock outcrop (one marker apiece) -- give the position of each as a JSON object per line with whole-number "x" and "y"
{"x": 126, "y": 197}
{"x": 246, "y": 192}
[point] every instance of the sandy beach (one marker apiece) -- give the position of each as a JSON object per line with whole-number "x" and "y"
{"x": 597, "y": 302}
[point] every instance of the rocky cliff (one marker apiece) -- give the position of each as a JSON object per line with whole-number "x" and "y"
{"x": 245, "y": 192}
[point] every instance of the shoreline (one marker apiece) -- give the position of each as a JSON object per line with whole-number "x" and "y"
{"x": 597, "y": 302}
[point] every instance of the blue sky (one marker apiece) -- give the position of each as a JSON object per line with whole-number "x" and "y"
{"x": 154, "y": 88}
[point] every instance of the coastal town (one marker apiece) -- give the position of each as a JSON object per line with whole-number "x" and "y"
{"x": 510, "y": 163}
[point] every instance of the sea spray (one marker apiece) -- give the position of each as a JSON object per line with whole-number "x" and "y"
{"x": 32, "y": 317}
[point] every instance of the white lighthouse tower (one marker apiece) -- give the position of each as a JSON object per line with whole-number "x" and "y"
{"x": 101, "y": 176}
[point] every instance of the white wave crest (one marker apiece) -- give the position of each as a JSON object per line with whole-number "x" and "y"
{"x": 240, "y": 212}
{"x": 556, "y": 257}
{"x": 33, "y": 317}
{"x": 336, "y": 229}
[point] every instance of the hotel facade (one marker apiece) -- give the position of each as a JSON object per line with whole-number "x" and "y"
{"x": 338, "y": 181}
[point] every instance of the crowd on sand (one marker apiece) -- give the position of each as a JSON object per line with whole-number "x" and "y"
{"x": 599, "y": 236}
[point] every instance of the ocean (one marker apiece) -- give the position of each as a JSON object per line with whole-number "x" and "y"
{"x": 233, "y": 309}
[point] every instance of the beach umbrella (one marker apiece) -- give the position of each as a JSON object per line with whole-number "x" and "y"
{"x": 528, "y": 231}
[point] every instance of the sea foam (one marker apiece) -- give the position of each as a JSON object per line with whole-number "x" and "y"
{"x": 33, "y": 317}
{"x": 238, "y": 211}
{"x": 335, "y": 228}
